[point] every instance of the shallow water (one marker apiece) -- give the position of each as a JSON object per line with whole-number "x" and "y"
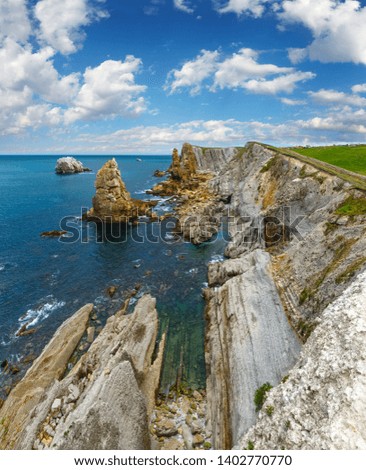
{"x": 43, "y": 281}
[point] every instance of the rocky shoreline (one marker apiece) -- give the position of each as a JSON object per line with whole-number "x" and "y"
{"x": 281, "y": 311}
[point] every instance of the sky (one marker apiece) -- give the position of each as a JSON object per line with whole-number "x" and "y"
{"x": 144, "y": 76}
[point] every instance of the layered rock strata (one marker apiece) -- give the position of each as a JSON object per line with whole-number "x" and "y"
{"x": 112, "y": 202}
{"x": 104, "y": 402}
{"x": 321, "y": 404}
{"x": 289, "y": 228}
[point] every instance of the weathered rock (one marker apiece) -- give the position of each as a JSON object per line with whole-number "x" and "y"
{"x": 53, "y": 233}
{"x": 112, "y": 202}
{"x": 248, "y": 342}
{"x": 69, "y": 165}
{"x": 321, "y": 404}
{"x": 105, "y": 400}
{"x": 16, "y": 413}
{"x": 159, "y": 173}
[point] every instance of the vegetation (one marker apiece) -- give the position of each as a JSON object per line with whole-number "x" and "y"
{"x": 349, "y": 157}
{"x": 352, "y": 206}
{"x": 207, "y": 445}
{"x": 269, "y": 164}
{"x": 304, "y": 329}
{"x": 305, "y": 294}
{"x": 269, "y": 410}
{"x": 250, "y": 445}
{"x": 260, "y": 395}
{"x": 350, "y": 271}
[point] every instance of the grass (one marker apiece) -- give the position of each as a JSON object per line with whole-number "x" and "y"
{"x": 352, "y": 206}
{"x": 260, "y": 395}
{"x": 269, "y": 164}
{"x": 351, "y": 158}
{"x": 350, "y": 271}
{"x": 357, "y": 180}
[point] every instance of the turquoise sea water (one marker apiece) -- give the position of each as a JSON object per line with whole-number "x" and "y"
{"x": 43, "y": 281}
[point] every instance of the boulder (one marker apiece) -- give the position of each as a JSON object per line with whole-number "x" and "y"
{"x": 69, "y": 165}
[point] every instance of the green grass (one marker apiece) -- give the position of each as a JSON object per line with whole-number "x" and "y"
{"x": 351, "y": 158}
{"x": 261, "y": 394}
{"x": 352, "y": 206}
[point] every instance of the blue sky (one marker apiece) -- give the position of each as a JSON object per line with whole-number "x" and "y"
{"x": 143, "y": 76}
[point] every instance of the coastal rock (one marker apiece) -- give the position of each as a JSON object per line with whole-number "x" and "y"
{"x": 47, "y": 369}
{"x": 248, "y": 343}
{"x": 321, "y": 404}
{"x": 53, "y": 233}
{"x": 69, "y": 165}
{"x": 105, "y": 401}
{"x": 112, "y": 202}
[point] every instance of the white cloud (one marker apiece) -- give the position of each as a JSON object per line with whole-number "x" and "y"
{"x": 241, "y": 70}
{"x": 14, "y": 20}
{"x": 290, "y": 102}
{"x": 333, "y": 97}
{"x": 61, "y": 22}
{"x": 241, "y": 7}
{"x": 338, "y": 29}
{"x": 109, "y": 90}
{"x": 193, "y": 72}
{"x": 361, "y": 88}
{"x": 183, "y": 5}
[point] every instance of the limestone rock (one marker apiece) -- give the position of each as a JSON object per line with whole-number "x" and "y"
{"x": 16, "y": 413}
{"x": 112, "y": 202}
{"x": 69, "y": 165}
{"x": 321, "y": 404}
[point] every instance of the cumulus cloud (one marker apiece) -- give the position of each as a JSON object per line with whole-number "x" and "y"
{"x": 183, "y": 5}
{"x": 333, "y": 97}
{"x": 360, "y": 88}
{"x": 60, "y": 23}
{"x": 109, "y": 90}
{"x": 290, "y": 102}
{"x": 240, "y": 7}
{"x": 14, "y": 20}
{"x": 338, "y": 29}
{"x": 193, "y": 73}
{"x": 240, "y": 70}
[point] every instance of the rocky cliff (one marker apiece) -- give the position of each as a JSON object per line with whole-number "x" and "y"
{"x": 297, "y": 240}
{"x": 112, "y": 202}
{"x": 104, "y": 402}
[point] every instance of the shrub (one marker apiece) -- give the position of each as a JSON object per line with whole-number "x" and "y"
{"x": 260, "y": 395}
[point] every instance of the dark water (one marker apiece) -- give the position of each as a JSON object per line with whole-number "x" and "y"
{"x": 44, "y": 281}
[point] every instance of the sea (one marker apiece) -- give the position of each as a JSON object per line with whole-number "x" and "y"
{"x": 43, "y": 281}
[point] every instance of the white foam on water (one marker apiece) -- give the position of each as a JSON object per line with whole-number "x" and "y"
{"x": 33, "y": 316}
{"x": 217, "y": 259}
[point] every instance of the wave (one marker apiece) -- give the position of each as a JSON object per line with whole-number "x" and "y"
{"x": 33, "y": 316}
{"x": 217, "y": 259}
{"x": 7, "y": 265}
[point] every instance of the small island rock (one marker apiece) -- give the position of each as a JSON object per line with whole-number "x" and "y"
{"x": 69, "y": 165}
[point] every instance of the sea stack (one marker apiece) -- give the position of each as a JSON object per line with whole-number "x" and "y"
{"x": 69, "y": 165}
{"x": 112, "y": 202}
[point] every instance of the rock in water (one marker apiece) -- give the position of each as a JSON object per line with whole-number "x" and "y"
{"x": 69, "y": 165}
{"x": 112, "y": 202}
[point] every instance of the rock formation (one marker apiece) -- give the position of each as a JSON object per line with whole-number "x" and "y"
{"x": 321, "y": 405}
{"x": 293, "y": 250}
{"x": 112, "y": 202}
{"x": 69, "y": 165}
{"x": 104, "y": 402}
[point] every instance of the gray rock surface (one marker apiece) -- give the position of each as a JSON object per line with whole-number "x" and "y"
{"x": 248, "y": 342}
{"x": 104, "y": 402}
{"x": 322, "y": 403}
{"x": 69, "y": 165}
{"x": 16, "y": 413}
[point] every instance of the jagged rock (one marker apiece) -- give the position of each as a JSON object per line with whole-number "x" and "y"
{"x": 321, "y": 404}
{"x": 105, "y": 400}
{"x": 16, "y": 413}
{"x": 159, "y": 173}
{"x": 248, "y": 343}
{"x": 166, "y": 428}
{"x": 112, "y": 202}
{"x": 69, "y": 165}
{"x": 53, "y": 233}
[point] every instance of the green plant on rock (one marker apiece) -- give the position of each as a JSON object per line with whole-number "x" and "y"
{"x": 250, "y": 445}
{"x": 268, "y": 165}
{"x": 207, "y": 445}
{"x": 269, "y": 410}
{"x": 260, "y": 395}
{"x": 352, "y": 207}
